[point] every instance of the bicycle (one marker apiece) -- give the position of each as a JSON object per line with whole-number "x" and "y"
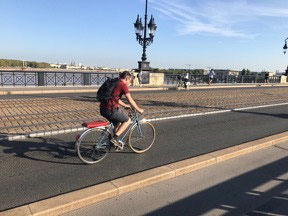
{"x": 94, "y": 143}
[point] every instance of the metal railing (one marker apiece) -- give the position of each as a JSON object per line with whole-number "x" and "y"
{"x": 202, "y": 79}
{"x": 50, "y": 78}
{"x": 15, "y": 78}
{"x": 53, "y": 78}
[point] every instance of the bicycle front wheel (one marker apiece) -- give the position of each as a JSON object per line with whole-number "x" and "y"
{"x": 141, "y": 137}
{"x": 93, "y": 145}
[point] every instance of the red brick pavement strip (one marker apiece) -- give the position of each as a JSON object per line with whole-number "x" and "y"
{"x": 26, "y": 116}
{"x": 79, "y": 129}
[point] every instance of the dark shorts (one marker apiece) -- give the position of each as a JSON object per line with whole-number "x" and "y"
{"x": 115, "y": 116}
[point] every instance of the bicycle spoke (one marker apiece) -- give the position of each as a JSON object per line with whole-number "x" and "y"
{"x": 142, "y": 137}
{"x": 93, "y": 146}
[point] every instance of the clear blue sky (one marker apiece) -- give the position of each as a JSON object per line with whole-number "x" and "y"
{"x": 227, "y": 34}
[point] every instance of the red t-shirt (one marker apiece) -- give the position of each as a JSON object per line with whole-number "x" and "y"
{"x": 120, "y": 89}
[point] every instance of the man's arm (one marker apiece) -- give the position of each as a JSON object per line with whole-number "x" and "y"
{"x": 133, "y": 103}
{"x": 123, "y": 104}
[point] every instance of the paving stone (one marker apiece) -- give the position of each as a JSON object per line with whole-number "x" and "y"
{"x": 39, "y": 114}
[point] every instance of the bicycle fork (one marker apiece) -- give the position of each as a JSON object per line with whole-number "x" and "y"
{"x": 140, "y": 130}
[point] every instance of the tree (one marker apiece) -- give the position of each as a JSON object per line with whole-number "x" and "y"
{"x": 245, "y": 72}
{"x": 18, "y": 63}
{"x": 197, "y": 72}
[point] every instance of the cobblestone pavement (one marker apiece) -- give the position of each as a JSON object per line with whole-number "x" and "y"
{"x": 23, "y": 116}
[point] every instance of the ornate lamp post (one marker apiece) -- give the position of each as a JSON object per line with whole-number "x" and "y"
{"x": 285, "y": 46}
{"x": 142, "y": 39}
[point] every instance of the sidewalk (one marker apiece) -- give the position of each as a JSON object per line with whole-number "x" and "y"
{"x": 20, "y": 90}
{"x": 252, "y": 184}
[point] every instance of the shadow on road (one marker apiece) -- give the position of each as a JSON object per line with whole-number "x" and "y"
{"x": 49, "y": 150}
{"x": 168, "y": 104}
{"x": 2, "y": 135}
{"x": 280, "y": 115}
{"x": 85, "y": 99}
{"x": 43, "y": 149}
{"x": 244, "y": 187}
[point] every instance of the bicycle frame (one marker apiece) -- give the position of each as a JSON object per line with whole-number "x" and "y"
{"x": 93, "y": 150}
{"x": 110, "y": 127}
{"x": 135, "y": 121}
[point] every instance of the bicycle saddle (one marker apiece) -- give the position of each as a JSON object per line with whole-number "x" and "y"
{"x": 95, "y": 124}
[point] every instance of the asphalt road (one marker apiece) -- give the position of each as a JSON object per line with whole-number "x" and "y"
{"x": 39, "y": 168}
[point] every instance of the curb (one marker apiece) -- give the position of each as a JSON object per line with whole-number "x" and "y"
{"x": 42, "y": 134}
{"x": 78, "y": 199}
{"x": 63, "y": 91}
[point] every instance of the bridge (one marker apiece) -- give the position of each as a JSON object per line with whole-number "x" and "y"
{"x": 188, "y": 124}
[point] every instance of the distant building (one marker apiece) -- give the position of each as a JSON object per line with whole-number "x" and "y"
{"x": 72, "y": 66}
{"x": 279, "y": 73}
{"x": 63, "y": 66}
{"x": 80, "y": 66}
{"x": 58, "y": 65}
{"x": 191, "y": 71}
{"x": 205, "y": 72}
{"x": 220, "y": 72}
{"x": 269, "y": 73}
{"x": 254, "y": 73}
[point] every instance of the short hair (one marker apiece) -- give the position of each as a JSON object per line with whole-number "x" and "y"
{"x": 125, "y": 74}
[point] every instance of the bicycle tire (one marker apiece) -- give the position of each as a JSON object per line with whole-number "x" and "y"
{"x": 89, "y": 150}
{"x": 139, "y": 142}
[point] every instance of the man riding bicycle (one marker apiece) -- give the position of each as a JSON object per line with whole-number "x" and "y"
{"x": 111, "y": 111}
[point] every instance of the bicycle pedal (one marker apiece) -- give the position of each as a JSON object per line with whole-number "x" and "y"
{"x": 121, "y": 147}
{"x": 117, "y": 149}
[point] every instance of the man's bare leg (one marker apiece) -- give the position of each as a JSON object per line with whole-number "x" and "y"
{"x": 123, "y": 126}
{"x": 116, "y": 128}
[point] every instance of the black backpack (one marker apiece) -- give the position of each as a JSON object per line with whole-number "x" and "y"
{"x": 104, "y": 93}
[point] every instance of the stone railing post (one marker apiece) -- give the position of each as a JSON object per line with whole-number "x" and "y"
{"x": 86, "y": 79}
{"x": 156, "y": 79}
{"x": 41, "y": 80}
{"x": 283, "y": 79}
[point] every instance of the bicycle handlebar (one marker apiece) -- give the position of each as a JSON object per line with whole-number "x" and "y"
{"x": 133, "y": 112}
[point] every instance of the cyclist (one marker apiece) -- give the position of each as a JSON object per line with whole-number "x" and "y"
{"x": 113, "y": 113}
{"x": 186, "y": 79}
{"x": 211, "y": 75}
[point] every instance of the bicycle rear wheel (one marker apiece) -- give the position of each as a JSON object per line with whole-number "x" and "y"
{"x": 93, "y": 145}
{"x": 141, "y": 137}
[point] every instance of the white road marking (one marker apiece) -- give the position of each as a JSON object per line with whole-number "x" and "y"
{"x": 65, "y": 131}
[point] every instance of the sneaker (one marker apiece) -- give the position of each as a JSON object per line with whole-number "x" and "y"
{"x": 115, "y": 142}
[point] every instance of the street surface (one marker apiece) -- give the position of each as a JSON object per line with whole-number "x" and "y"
{"x": 250, "y": 185}
{"x": 27, "y": 114}
{"x": 39, "y": 168}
